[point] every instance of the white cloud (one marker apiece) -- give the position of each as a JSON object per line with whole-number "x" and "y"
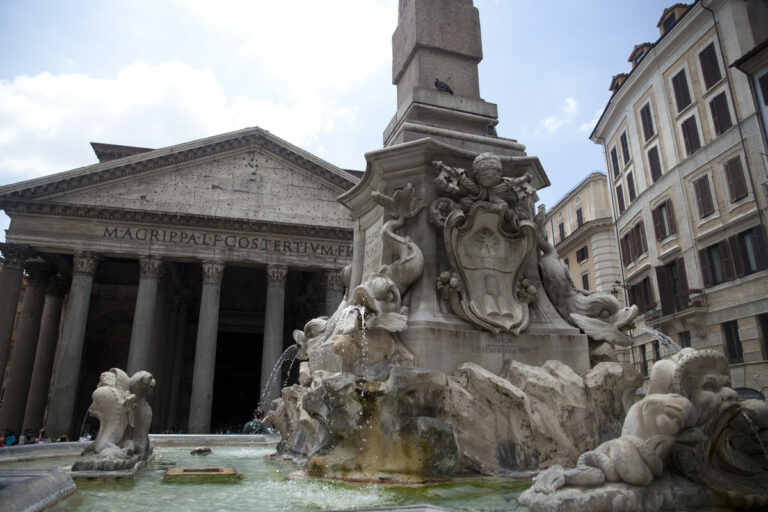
{"x": 308, "y": 45}
{"x": 589, "y": 125}
{"x": 46, "y": 121}
{"x": 566, "y": 114}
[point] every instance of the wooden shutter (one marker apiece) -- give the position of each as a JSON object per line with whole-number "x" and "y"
{"x": 625, "y": 255}
{"x": 709, "y": 66}
{"x": 680, "y": 266}
{"x": 654, "y": 163}
{"x": 664, "y": 292}
{"x": 680, "y": 86}
{"x": 656, "y": 214}
{"x": 690, "y": 135}
{"x": 641, "y": 231}
{"x": 706, "y": 267}
{"x": 725, "y": 254}
{"x": 670, "y": 217}
{"x": 738, "y": 255}
{"x": 704, "y": 197}
{"x": 720, "y": 114}
{"x": 760, "y": 247}
{"x": 737, "y": 186}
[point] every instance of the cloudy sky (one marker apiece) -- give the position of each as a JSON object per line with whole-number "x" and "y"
{"x": 155, "y": 73}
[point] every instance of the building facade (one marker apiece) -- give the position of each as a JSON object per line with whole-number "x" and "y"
{"x": 683, "y": 142}
{"x": 194, "y": 262}
{"x": 582, "y": 228}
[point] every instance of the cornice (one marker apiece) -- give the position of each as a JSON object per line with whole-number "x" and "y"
{"x": 174, "y": 219}
{"x": 169, "y": 157}
{"x": 582, "y": 233}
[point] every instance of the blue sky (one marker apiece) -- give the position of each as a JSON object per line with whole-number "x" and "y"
{"x": 317, "y": 73}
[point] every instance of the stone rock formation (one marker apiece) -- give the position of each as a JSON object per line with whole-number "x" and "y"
{"x": 120, "y": 404}
{"x": 689, "y": 444}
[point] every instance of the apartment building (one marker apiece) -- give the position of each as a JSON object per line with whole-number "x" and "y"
{"x": 684, "y": 146}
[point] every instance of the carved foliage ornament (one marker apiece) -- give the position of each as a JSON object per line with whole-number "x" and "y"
{"x": 212, "y": 272}
{"x": 85, "y": 262}
{"x": 487, "y": 226}
{"x": 15, "y": 255}
{"x": 149, "y": 267}
{"x": 276, "y": 275}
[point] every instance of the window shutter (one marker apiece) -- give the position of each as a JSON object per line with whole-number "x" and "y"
{"x": 737, "y": 186}
{"x": 760, "y": 246}
{"x": 625, "y": 256}
{"x": 720, "y": 114}
{"x": 670, "y": 217}
{"x": 643, "y": 243}
{"x": 706, "y": 267}
{"x": 654, "y": 163}
{"x": 709, "y": 65}
{"x": 664, "y": 293}
{"x": 656, "y": 213}
{"x": 680, "y": 266}
{"x": 725, "y": 253}
{"x": 737, "y": 255}
{"x": 704, "y": 197}
{"x": 680, "y": 86}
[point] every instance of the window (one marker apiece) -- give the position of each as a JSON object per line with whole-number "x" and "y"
{"x": 721, "y": 117}
{"x": 579, "y": 217}
{"x": 673, "y": 287}
{"x": 615, "y": 162}
{"x": 641, "y": 295}
{"x": 710, "y": 68}
{"x": 585, "y": 281}
{"x": 682, "y": 94}
{"x": 565, "y": 260}
{"x": 620, "y": 199}
{"x": 656, "y": 351}
{"x": 733, "y": 349}
{"x": 763, "y": 322}
{"x": 582, "y": 254}
{"x": 749, "y": 252}
{"x": 654, "y": 163}
{"x": 716, "y": 264}
{"x": 684, "y": 338}
{"x": 703, "y": 197}
{"x": 561, "y": 231}
{"x": 669, "y": 22}
{"x": 644, "y": 367}
{"x": 647, "y": 120}
{"x": 633, "y": 244}
{"x": 624, "y": 147}
{"x": 734, "y": 174}
{"x": 690, "y": 135}
{"x": 663, "y": 221}
{"x": 763, "y": 81}
{"x": 631, "y": 187}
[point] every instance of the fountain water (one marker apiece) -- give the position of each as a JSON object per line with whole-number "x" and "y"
{"x": 670, "y": 347}
{"x": 288, "y": 355}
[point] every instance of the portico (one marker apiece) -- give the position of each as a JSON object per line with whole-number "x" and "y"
{"x": 190, "y": 262}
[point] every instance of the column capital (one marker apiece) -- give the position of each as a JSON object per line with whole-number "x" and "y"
{"x": 149, "y": 267}
{"x": 15, "y": 255}
{"x": 38, "y": 271}
{"x": 332, "y": 279}
{"x": 212, "y": 272}
{"x": 276, "y": 275}
{"x": 58, "y": 286}
{"x": 85, "y": 262}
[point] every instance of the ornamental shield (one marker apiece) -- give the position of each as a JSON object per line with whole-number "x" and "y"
{"x": 489, "y": 261}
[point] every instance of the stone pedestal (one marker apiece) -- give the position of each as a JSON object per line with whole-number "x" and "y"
{"x": 23, "y": 357}
{"x": 46, "y": 349}
{"x": 66, "y": 373}
{"x": 143, "y": 315}
{"x": 205, "y": 350}
{"x": 10, "y": 285}
{"x": 273, "y": 329}
{"x": 438, "y": 338}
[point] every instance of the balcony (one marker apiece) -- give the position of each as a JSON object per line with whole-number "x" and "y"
{"x": 682, "y": 305}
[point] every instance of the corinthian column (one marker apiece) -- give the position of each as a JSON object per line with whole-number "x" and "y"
{"x": 143, "y": 315}
{"x": 66, "y": 372}
{"x": 23, "y": 357}
{"x": 272, "y": 347}
{"x": 46, "y": 348}
{"x": 10, "y": 285}
{"x": 205, "y": 350}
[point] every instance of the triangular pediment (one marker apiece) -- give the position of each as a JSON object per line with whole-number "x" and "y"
{"x": 249, "y": 175}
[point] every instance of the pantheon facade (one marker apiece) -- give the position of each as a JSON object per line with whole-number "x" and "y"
{"x": 194, "y": 262}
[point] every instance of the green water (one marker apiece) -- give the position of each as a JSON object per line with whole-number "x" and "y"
{"x": 265, "y": 487}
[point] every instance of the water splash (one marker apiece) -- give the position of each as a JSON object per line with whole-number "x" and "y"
{"x": 277, "y": 370}
{"x": 670, "y": 347}
{"x": 755, "y": 432}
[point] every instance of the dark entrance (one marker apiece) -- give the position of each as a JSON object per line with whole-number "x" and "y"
{"x": 236, "y": 382}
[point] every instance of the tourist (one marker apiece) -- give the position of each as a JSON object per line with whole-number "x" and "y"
{"x": 10, "y": 439}
{"x": 258, "y": 425}
{"x": 2, "y": 440}
{"x": 63, "y": 438}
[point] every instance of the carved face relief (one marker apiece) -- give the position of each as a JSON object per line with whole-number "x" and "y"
{"x": 486, "y": 170}
{"x": 711, "y": 395}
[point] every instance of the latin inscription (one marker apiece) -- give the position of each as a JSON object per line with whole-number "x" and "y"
{"x": 218, "y": 240}
{"x": 503, "y": 345}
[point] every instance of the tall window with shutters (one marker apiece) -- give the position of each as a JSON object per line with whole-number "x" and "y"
{"x": 654, "y": 163}
{"x": 710, "y": 68}
{"x": 647, "y": 121}
{"x": 704, "y": 202}
{"x": 721, "y": 116}
{"x": 641, "y": 294}
{"x": 633, "y": 244}
{"x": 673, "y": 285}
{"x": 579, "y": 217}
{"x": 620, "y": 199}
{"x": 734, "y": 175}
{"x": 615, "y": 162}
{"x": 625, "y": 148}
{"x": 734, "y": 257}
{"x": 664, "y": 220}
{"x": 690, "y": 136}
{"x": 631, "y": 187}
{"x": 680, "y": 88}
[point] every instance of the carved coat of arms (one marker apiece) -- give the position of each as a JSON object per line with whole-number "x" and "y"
{"x": 489, "y": 234}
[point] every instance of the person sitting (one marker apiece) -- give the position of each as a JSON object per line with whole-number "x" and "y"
{"x": 257, "y": 425}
